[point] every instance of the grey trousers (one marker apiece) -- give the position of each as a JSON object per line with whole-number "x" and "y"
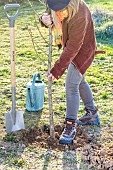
{"x": 76, "y": 88}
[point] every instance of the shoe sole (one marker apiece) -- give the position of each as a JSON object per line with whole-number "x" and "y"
{"x": 96, "y": 122}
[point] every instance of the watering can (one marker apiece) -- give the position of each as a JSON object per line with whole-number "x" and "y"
{"x": 35, "y": 94}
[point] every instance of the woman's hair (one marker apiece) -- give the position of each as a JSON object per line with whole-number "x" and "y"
{"x": 72, "y": 9}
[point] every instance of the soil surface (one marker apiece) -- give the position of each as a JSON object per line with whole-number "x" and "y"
{"x": 41, "y": 137}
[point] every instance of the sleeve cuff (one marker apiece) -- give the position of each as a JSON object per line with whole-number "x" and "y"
{"x": 54, "y": 73}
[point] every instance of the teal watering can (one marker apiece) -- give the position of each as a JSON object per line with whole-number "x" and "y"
{"x": 35, "y": 94}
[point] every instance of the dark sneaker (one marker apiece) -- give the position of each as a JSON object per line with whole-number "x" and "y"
{"x": 68, "y": 134}
{"x": 90, "y": 118}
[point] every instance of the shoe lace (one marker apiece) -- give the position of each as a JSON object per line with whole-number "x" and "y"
{"x": 68, "y": 129}
{"x": 88, "y": 112}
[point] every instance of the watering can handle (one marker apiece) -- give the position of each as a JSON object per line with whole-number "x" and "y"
{"x": 12, "y": 18}
{"x": 35, "y": 76}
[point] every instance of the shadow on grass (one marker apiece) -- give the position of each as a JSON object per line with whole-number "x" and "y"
{"x": 47, "y": 159}
{"x": 72, "y": 160}
{"x": 11, "y": 151}
{"x": 32, "y": 118}
{"x": 12, "y": 148}
{"x": 66, "y": 160}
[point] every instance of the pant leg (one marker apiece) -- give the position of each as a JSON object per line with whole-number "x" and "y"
{"x": 73, "y": 81}
{"x": 86, "y": 95}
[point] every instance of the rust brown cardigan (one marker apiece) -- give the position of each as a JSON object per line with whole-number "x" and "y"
{"x": 79, "y": 43}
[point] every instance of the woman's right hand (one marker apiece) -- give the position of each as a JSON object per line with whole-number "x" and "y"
{"x": 46, "y": 19}
{"x": 50, "y": 77}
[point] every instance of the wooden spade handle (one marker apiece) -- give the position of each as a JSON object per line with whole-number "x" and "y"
{"x": 12, "y": 39}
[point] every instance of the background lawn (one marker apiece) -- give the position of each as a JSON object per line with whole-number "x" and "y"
{"x": 20, "y": 155}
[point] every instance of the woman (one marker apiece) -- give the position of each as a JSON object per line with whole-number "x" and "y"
{"x": 73, "y": 28}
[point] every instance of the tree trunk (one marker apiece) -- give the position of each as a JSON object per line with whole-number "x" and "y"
{"x": 52, "y": 133}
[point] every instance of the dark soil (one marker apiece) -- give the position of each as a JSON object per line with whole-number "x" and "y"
{"x": 40, "y": 136}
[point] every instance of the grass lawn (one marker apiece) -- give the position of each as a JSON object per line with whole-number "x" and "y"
{"x": 16, "y": 154}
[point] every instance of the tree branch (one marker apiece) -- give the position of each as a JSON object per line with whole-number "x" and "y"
{"x": 30, "y": 33}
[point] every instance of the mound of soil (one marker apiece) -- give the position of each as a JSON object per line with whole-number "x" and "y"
{"x": 40, "y": 136}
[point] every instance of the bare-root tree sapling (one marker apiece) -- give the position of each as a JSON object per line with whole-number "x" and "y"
{"x": 52, "y": 132}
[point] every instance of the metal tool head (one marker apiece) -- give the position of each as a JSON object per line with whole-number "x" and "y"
{"x": 19, "y": 122}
